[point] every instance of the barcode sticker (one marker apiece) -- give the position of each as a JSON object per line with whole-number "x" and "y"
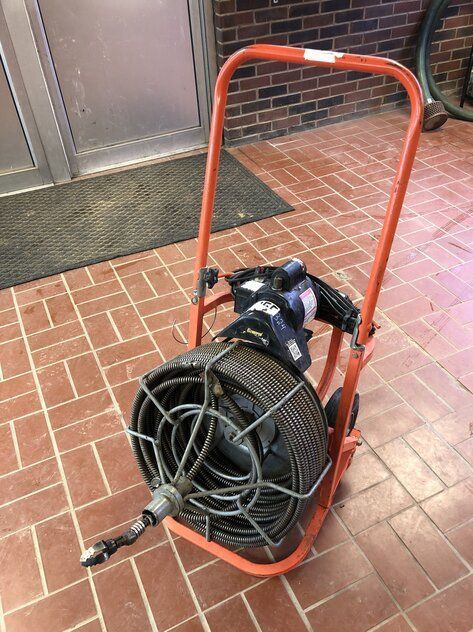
{"x": 294, "y": 349}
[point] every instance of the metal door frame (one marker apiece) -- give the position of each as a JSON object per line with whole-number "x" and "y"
{"x": 38, "y": 173}
{"x": 203, "y": 47}
{"x": 32, "y": 78}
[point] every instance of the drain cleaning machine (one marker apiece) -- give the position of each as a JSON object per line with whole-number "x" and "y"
{"x": 231, "y": 438}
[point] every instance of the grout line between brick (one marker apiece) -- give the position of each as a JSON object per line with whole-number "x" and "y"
{"x": 422, "y": 601}
{"x": 57, "y": 342}
{"x": 379, "y": 626}
{"x": 98, "y": 440}
{"x": 15, "y": 444}
{"x": 96, "y": 500}
{"x": 69, "y": 375}
{"x": 144, "y": 596}
{"x": 101, "y": 470}
{"x": 39, "y": 522}
{"x": 250, "y": 612}
{"x": 48, "y": 313}
{"x": 112, "y": 563}
{"x": 2, "y": 617}
{"x": 29, "y": 495}
{"x": 82, "y": 624}
{"x": 10, "y": 399}
{"x": 40, "y": 598}
{"x": 190, "y": 588}
{"x": 39, "y": 560}
{"x": 295, "y": 601}
{"x": 148, "y": 282}
{"x": 115, "y": 329}
{"x": 178, "y": 625}
{"x": 317, "y": 604}
{"x": 257, "y": 583}
{"x": 68, "y": 401}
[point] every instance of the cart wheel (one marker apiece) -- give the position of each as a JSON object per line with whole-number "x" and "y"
{"x": 331, "y": 409}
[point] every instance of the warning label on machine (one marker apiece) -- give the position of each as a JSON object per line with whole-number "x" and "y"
{"x": 252, "y": 285}
{"x": 310, "y": 304}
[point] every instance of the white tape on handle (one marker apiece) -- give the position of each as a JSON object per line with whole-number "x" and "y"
{"x": 327, "y": 56}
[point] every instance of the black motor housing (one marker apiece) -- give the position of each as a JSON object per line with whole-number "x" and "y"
{"x": 274, "y": 310}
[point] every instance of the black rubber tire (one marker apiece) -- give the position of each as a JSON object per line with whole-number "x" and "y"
{"x": 331, "y": 409}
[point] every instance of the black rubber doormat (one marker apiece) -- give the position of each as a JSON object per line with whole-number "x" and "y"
{"x": 51, "y": 230}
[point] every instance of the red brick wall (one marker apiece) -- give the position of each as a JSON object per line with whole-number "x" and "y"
{"x": 269, "y": 99}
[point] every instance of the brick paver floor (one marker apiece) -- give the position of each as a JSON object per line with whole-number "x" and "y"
{"x": 396, "y": 552}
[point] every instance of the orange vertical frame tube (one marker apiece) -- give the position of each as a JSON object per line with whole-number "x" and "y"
{"x": 341, "y": 446}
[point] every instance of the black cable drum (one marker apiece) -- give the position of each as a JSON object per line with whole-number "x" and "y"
{"x": 293, "y": 451}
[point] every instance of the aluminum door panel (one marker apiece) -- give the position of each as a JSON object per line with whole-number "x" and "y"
{"x": 125, "y": 68}
{"x": 14, "y": 154}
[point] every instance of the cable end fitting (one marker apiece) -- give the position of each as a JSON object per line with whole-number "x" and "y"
{"x": 99, "y": 553}
{"x": 167, "y": 501}
{"x": 435, "y": 115}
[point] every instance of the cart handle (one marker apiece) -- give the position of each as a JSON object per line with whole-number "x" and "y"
{"x": 327, "y": 59}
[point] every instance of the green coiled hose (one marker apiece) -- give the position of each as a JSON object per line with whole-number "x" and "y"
{"x": 436, "y": 103}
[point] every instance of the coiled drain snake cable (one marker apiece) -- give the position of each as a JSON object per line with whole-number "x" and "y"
{"x": 191, "y": 411}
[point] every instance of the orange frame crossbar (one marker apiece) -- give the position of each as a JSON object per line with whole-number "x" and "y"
{"x": 341, "y": 446}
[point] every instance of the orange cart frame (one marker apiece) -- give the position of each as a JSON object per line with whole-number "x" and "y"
{"x": 341, "y": 446}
